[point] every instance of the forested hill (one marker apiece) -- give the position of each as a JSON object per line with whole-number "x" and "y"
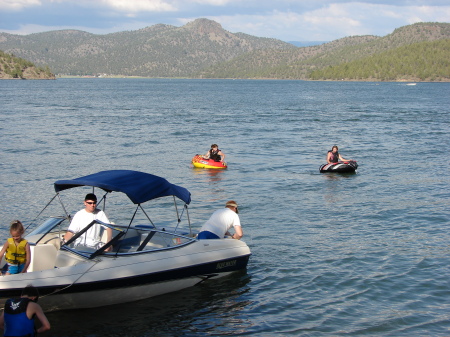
{"x": 156, "y": 51}
{"x": 422, "y": 61}
{"x": 12, "y": 67}
{"x": 314, "y": 62}
{"x": 203, "y": 49}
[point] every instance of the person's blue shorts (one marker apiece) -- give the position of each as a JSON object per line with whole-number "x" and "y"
{"x": 203, "y": 235}
{"x": 15, "y": 268}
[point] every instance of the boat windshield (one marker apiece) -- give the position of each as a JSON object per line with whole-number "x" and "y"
{"x": 95, "y": 238}
{"x": 47, "y": 226}
{"x": 49, "y": 231}
{"x": 131, "y": 240}
{"x": 140, "y": 239}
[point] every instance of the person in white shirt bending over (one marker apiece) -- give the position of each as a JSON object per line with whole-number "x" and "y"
{"x": 92, "y": 237}
{"x": 221, "y": 221}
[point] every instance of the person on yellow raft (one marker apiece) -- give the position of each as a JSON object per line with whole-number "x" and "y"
{"x": 215, "y": 154}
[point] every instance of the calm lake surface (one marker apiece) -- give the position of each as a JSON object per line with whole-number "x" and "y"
{"x": 366, "y": 254}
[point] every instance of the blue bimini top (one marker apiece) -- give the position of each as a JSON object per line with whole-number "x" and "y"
{"x": 138, "y": 186}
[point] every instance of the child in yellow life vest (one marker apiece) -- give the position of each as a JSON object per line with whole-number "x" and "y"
{"x": 18, "y": 255}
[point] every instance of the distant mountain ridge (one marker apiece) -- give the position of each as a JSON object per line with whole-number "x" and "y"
{"x": 203, "y": 49}
{"x": 300, "y": 63}
{"x": 156, "y": 51}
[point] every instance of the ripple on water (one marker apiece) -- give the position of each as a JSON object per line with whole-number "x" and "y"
{"x": 363, "y": 254}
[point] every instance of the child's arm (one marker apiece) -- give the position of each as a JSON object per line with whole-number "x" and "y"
{"x": 5, "y": 247}
{"x": 28, "y": 258}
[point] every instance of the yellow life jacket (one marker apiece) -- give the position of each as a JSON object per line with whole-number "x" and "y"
{"x": 16, "y": 254}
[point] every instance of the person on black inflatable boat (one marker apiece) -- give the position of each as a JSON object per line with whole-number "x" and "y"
{"x": 215, "y": 154}
{"x": 333, "y": 156}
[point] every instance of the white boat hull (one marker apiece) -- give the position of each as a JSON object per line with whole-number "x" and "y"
{"x": 127, "y": 261}
{"x": 108, "y": 280}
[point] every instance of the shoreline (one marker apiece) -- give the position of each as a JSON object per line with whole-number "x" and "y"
{"x": 263, "y": 79}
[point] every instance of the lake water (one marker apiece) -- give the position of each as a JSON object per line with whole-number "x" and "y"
{"x": 366, "y": 254}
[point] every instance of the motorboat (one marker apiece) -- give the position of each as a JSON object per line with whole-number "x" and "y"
{"x": 144, "y": 257}
{"x": 200, "y": 162}
{"x": 339, "y": 167}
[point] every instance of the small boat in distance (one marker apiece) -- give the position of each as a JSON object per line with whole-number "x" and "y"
{"x": 147, "y": 254}
{"x": 339, "y": 167}
{"x": 411, "y": 83}
{"x": 200, "y": 162}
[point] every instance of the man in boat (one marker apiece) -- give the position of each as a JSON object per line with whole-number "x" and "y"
{"x": 221, "y": 221}
{"x": 333, "y": 156}
{"x": 92, "y": 238}
{"x": 18, "y": 317}
{"x": 215, "y": 154}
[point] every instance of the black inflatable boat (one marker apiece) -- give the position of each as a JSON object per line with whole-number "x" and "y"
{"x": 339, "y": 167}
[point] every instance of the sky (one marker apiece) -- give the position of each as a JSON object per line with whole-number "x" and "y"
{"x": 286, "y": 20}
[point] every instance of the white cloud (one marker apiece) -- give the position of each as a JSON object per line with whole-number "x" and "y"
{"x": 215, "y": 2}
{"x": 428, "y": 14}
{"x": 139, "y": 5}
{"x": 17, "y": 5}
{"x": 333, "y": 21}
{"x": 31, "y": 29}
{"x": 289, "y": 20}
{"x": 120, "y": 5}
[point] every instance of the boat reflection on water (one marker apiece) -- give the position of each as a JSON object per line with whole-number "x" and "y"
{"x": 204, "y": 309}
{"x": 212, "y": 174}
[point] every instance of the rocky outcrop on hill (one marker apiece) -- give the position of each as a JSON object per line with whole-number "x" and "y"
{"x": 12, "y": 67}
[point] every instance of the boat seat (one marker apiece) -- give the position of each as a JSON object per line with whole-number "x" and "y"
{"x": 128, "y": 244}
{"x": 42, "y": 257}
{"x": 53, "y": 239}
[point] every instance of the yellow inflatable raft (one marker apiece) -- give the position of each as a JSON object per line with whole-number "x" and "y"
{"x": 200, "y": 162}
